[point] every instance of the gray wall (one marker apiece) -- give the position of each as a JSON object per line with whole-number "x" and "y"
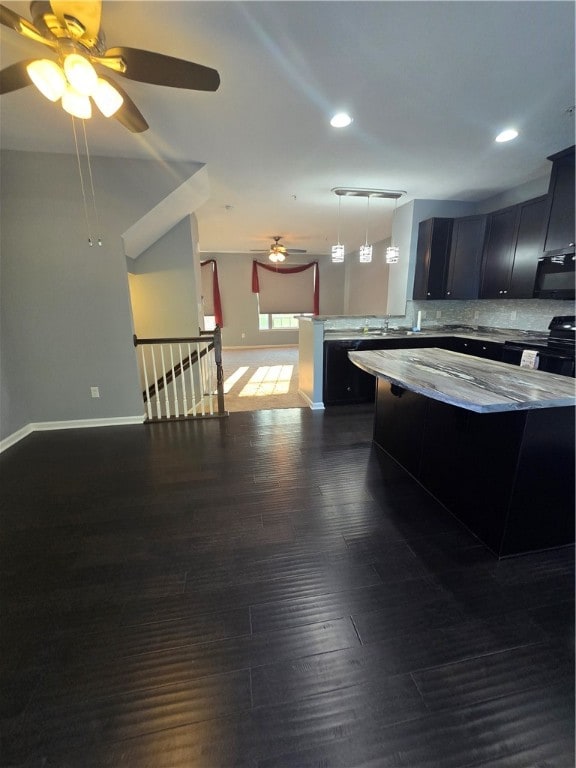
{"x": 65, "y": 312}
{"x": 163, "y": 285}
{"x": 240, "y": 306}
{"x": 367, "y": 284}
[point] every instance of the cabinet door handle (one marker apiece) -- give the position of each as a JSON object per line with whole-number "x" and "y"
{"x": 428, "y": 294}
{"x": 448, "y": 293}
{"x": 484, "y": 348}
{"x": 504, "y": 291}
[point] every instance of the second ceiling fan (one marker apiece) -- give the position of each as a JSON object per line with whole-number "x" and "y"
{"x": 277, "y": 251}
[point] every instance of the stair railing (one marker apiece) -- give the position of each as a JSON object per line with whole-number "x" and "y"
{"x": 182, "y": 376}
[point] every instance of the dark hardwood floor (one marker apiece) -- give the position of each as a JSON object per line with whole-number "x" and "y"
{"x": 266, "y": 591}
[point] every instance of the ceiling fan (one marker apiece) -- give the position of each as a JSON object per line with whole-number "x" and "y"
{"x": 277, "y": 252}
{"x": 71, "y": 29}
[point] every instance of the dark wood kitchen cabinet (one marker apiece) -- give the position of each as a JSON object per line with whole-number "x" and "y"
{"x": 465, "y": 261}
{"x": 528, "y": 247}
{"x": 489, "y": 350}
{"x": 559, "y": 228}
{"x": 432, "y": 251}
{"x": 498, "y": 254}
{"x": 512, "y": 248}
{"x": 345, "y": 383}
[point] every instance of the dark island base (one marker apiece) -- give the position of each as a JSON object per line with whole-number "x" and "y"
{"x": 507, "y": 476}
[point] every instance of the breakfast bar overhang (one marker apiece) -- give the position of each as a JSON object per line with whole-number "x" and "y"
{"x": 493, "y": 443}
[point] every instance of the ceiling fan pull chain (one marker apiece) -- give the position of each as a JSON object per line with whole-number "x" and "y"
{"x": 90, "y": 241}
{"x": 96, "y": 217}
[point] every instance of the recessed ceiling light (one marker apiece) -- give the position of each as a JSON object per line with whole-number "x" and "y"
{"x": 341, "y": 120}
{"x": 507, "y": 135}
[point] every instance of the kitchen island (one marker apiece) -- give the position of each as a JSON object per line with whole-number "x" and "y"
{"x": 493, "y": 443}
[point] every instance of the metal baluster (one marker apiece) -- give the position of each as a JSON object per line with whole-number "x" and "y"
{"x": 174, "y": 388}
{"x": 148, "y": 404}
{"x": 183, "y": 377}
{"x": 166, "y": 401}
{"x": 192, "y": 387}
{"x": 156, "y": 393}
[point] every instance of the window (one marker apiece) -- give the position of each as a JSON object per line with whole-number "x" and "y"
{"x": 276, "y": 321}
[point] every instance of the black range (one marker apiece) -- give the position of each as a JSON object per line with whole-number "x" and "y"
{"x": 555, "y": 353}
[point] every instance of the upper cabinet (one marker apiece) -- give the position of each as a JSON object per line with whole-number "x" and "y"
{"x": 512, "y": 249}
{"x": 465, "y": 260}
{"x": 432, "y": 252}
{"x": 528, "y": 247}
{"x": 498, "y": 254}
{"x": 559, "y": 227}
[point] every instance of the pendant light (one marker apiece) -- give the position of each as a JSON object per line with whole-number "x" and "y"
{"x": 338, "y": 250}
{"x": 366, "y": 250}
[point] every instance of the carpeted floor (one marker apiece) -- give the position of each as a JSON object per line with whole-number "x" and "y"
{"x": 261, "y": 378}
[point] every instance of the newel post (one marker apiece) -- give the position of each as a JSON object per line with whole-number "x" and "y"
{"x": 219, "y": 369}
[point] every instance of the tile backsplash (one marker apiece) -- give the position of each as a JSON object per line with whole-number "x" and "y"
{"x": 524, "y": 314}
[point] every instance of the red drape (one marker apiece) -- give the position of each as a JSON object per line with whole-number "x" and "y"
{"x": 215, "y": 292}
{"x": 289, "y": 271}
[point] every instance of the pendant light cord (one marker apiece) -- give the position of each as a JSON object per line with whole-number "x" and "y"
{"x": 96, "y": 217}
{"x": 339, "y": 202}
{"x": 90, "y": 241}
{"x": 367, "y": 217}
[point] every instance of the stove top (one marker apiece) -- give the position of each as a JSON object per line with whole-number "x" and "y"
{"x": 562, "y": 337}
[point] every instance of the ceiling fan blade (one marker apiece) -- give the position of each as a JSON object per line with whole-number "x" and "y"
{"x": 87, "y": 12}
{"x": 295, "y": 250}
{"x": 158, "y": 69}
{"x": 128, "y": 115}
{"x": 14, "y": 77}
{"x": 22, "y": 26}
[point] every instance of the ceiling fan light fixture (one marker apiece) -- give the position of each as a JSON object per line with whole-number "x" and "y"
{"x": 48, "y": 77}
{"x": 76, "y": 104}
{"x": 80, "y": 73}
{"x": 107, "y": 98}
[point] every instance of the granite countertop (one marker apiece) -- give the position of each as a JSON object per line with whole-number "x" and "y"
{"x": 481, "y": 333}
{"x": 468, "y": 382}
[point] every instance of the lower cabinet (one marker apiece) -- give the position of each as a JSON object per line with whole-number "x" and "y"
{"x": 490, "y": 350}
{"x": 343, "y": 382}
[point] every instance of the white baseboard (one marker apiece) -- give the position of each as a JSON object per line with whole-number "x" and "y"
{"x": 15, "y": 437}
{"x": 318, "y": 406}
{"x": 47, "y": 426}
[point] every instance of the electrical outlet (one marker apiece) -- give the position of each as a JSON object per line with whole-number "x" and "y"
{"x": 243, "y": 335}
{"x": 476, "y": 315}
{"x": 513, "y": 315}
{"x": 95, "y": 391}
{"x": 438, "y": 313}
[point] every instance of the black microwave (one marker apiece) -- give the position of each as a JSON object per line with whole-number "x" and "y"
{"x": 555, "y": 277}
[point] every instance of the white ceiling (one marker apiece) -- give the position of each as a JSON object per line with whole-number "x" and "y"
{"x": 429, "y": 85}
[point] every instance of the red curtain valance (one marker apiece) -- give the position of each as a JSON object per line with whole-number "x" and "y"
{"x": 215, "y": 292}
{"x": 289, "y": 271}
